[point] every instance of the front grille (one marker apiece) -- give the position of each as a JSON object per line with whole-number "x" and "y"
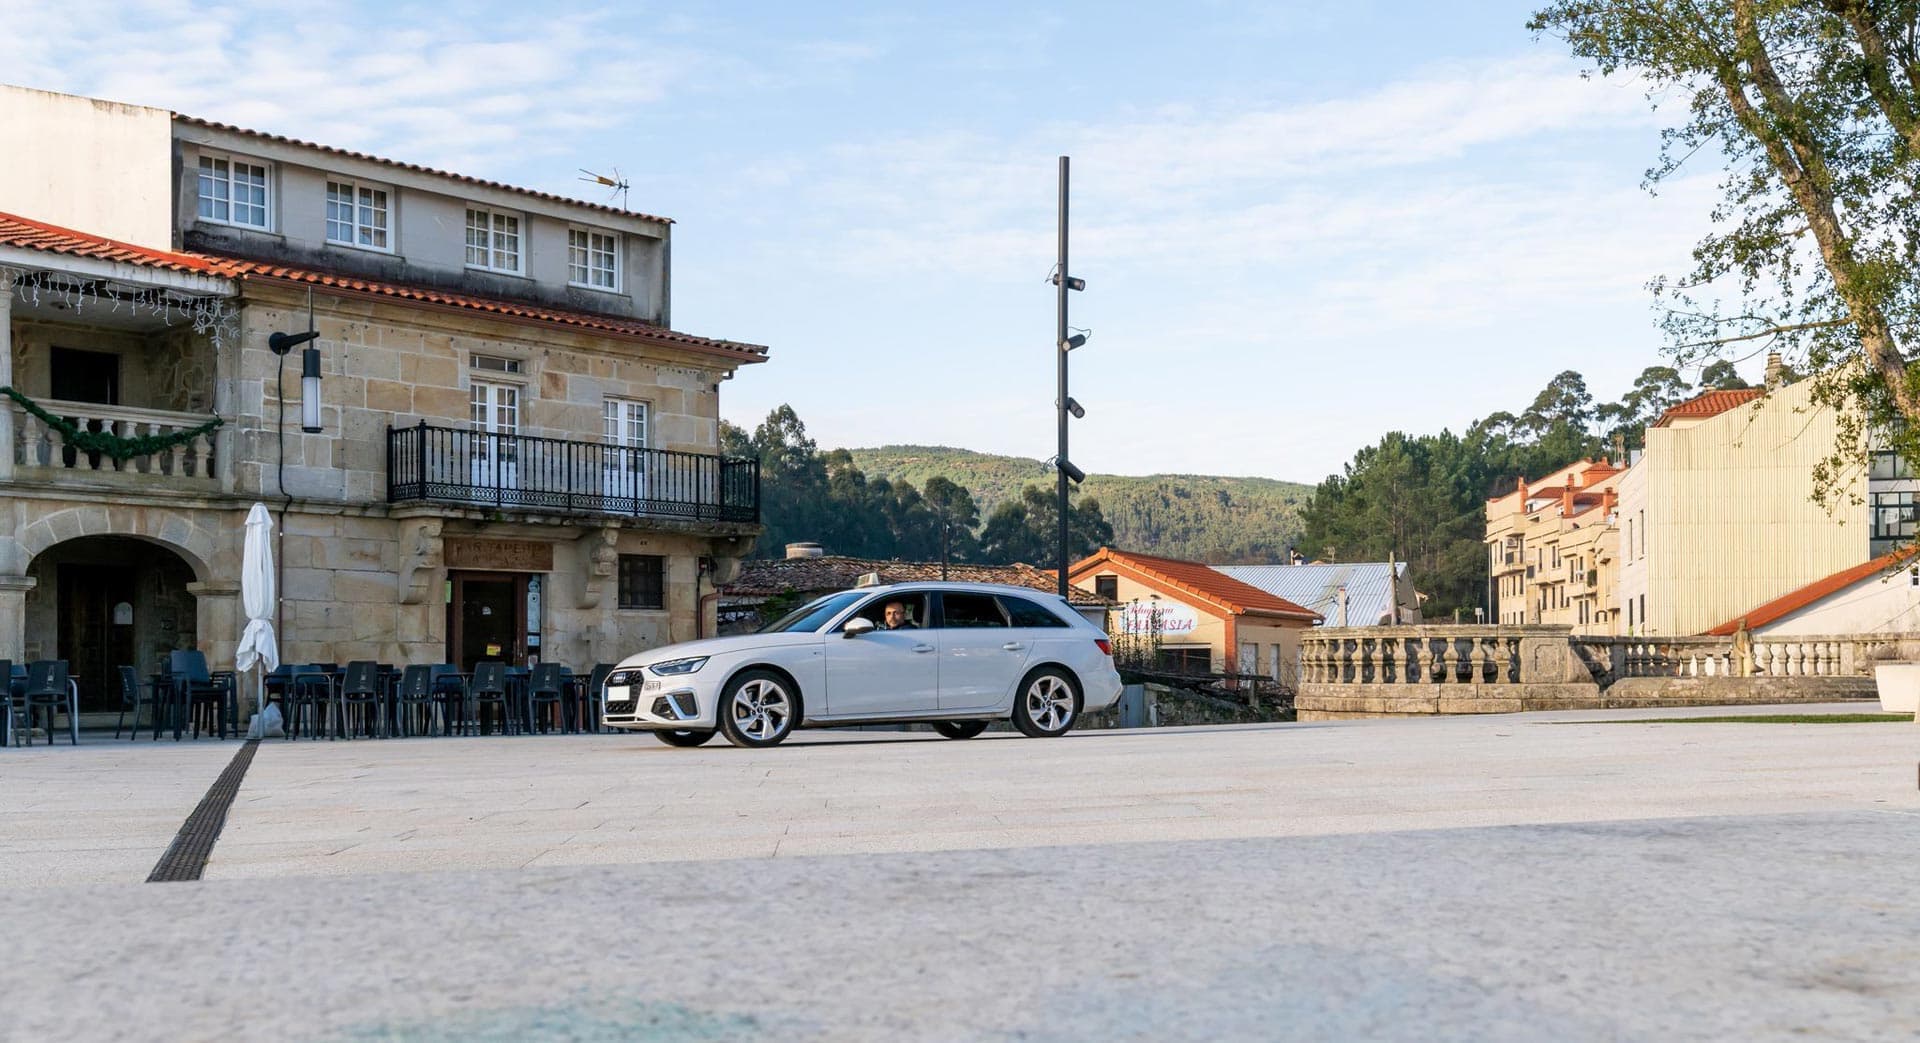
{"x": 620, "y": 708}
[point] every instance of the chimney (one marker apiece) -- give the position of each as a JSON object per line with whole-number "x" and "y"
{"x": 805, "y": 550}
{"x": 1566, "y": 500}
{"x": 1776, "y": 371}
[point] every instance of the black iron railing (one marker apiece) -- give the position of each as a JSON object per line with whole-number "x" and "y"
{"x": 480, "y": 469}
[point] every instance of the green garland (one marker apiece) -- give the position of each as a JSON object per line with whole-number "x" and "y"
{"x": 120, "y": 450}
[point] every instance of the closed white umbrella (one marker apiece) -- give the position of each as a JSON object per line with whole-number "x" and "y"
{"x": 258, "y": 599}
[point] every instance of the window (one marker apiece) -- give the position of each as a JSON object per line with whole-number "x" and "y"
{"x": 1888, "y": 464}
{"x": 1025, "y": 613}
{"x": 1893, "y": 516}
{"x": 357, "y": 215}
{"x": 1643, "y": 610}
{"x": 1643, "y": 535}
{"x": 1107, "y": 587}
{"x": 965, "y": 611}
{"x": 1186, "y": 660}
{"x": 493, "y": 241}
{"x": 593, "y": 259}
{"x": 624, "y": 423}
{"x": 643, "y": 581}
{"x": 1629, "y": 614}
{"x": 496, "y": 364}
{"x": 875, "y": 612}
{"x": 233, "y": 191}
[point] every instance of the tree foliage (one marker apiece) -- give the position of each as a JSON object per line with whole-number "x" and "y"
{"x": 1027, "y": 529}
{"x": 1814, "y": 106}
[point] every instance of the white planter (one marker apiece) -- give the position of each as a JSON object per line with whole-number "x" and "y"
{"x": 1899, "y": 686}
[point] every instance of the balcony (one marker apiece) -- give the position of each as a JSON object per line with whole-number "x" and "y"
{"x": 521, "y": 472}
{"x": 40, "y": 452}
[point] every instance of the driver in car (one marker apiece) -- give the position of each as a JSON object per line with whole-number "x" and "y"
{"x": 896, "y": 617}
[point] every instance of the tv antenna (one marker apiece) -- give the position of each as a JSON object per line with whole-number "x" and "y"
{"x": 616, "y": 182}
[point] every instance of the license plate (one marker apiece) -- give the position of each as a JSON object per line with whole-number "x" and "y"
{"x": 617, "y": 692}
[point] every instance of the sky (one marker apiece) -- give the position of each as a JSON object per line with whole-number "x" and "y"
{"x": 1301, "y": 225}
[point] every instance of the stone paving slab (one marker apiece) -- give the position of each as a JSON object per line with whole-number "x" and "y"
{"x": 100, "y": 812}
{"x": 330, "y": 809}
{"x": 1748, "y": 927}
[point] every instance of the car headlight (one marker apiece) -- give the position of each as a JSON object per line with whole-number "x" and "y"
{"x": 675, "y": 667}
{"x": 623, "y": 678}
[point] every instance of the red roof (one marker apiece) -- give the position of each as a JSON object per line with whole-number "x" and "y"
{"x": 417, "y": 168}
{"x": 1711, "y": 403}
{"x": 1788, "y": 604}
{"x": 36, "y": 235}
{"x": 20, "y": 231}
{"x": 1191, "y": 577}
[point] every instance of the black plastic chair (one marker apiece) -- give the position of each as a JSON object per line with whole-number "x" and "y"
{"x": 49, "y": 689}
{"x": 416, "y": 701}
{"x": 205, "y": 695}
{"x": 363, "y": 689}
{"x": 550, "y": 683}
{"x": 450, "y": 685}
{"x": 594, "y": 699}
{"x": 135, "y": 693}
{"x": 310, "y": 688}
{"x": 490, "y": 685}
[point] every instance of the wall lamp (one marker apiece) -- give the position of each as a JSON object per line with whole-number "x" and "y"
{"x": 1079, "y": 412}
{"x": 281, "y": 344}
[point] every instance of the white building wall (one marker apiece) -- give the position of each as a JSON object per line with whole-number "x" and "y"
{"x": 1878, "y": 604}
{"x": 94, "y": 166}
{"x": 1632, "y": 573}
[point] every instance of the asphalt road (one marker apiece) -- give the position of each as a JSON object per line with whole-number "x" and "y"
{"x": 1467, "y": 878}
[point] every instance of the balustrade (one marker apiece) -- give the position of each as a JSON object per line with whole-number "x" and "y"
{"x": 37, "y": 445}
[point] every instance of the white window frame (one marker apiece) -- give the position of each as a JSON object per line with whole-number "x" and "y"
{"x": 589, "y": 234}
{"x": 266, "y": 190}
{"x": 494, "y": 217}
{"x": 359, "y": 211}
{"x": 616, "y": 422}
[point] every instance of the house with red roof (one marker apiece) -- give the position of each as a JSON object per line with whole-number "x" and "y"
{"x": 1203, "y": 620}
{"x": 484, "y": 440}
{"x": 1552, "y": 549}
{"x": 1881, "y": 596}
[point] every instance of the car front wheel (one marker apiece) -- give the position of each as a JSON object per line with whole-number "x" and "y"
{"x": 684, "y": 737}
{"x": 758, "y": 709}
{"x": 959, "y": 729}
{"x": 1047, "y": 704}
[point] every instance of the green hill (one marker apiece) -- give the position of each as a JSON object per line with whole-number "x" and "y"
{"x": 1195, "y": 516}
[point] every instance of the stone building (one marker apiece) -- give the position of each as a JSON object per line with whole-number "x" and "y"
{"x": 1553, "y": 550}
{"x": 515, "y": 457}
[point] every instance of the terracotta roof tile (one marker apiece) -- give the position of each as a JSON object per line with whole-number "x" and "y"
{"x": 590, "y": 321}
{"x": 1787, "y": 604}
{"x": 1709, "y": 404}
{"x": 1191, "y": 577}
{"x": 417, "y": 168}
{"x": 808, "y": 575}
{"x": 38, "y": 235}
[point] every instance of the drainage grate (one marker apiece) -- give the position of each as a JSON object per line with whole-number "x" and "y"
{"x": 186, "y": 857}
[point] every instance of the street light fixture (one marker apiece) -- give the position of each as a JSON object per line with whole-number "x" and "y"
{"x": 281, "y": 344}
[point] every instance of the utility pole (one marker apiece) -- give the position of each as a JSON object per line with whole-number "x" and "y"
{"x": 1060, "y": 349}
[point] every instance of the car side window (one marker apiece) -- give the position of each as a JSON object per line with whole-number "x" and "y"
{"x": 875, "y": 611}
{"x": 966, "y": 611}
{"x": 1027, "y": 614}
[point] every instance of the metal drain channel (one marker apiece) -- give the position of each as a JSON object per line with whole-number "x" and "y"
{"x": 186, "y": 857}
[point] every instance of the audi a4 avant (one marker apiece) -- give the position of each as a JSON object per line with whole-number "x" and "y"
{"x": 956, "y": 656}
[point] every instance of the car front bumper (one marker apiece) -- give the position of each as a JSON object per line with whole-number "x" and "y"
{"x": 658, "y": 703}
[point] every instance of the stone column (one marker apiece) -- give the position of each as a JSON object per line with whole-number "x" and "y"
{"x": 13, "y": 616}
{"x": 6, "y": 378}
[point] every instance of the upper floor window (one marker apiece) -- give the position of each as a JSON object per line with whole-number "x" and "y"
{"x": 593, "y": 259}
{"x": 233, "y": 191}
{"x": 1885, "y": 464}
{"x": 1107, "y": 587}
{"x": 357, "y": 215}
{"x": 493, "y": 240}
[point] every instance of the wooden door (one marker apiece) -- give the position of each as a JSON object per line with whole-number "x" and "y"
{"x": 487, "y": 618}
{"x": 96, "y": 605}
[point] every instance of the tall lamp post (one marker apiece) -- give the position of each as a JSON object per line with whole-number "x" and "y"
{"x": 1063, "y": 343}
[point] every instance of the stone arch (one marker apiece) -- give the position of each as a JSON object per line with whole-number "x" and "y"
{"x": 175, "y": 530}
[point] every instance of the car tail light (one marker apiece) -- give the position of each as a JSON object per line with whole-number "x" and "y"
{"x": 1105, "y": 645}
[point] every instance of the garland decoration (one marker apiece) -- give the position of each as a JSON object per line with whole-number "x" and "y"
{"x": 119, "y": 449}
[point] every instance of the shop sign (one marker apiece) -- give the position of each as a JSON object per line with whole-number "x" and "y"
{"x": 1171, "y": 617}
{"x": 499, "y": 555}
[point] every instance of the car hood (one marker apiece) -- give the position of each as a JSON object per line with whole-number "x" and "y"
{"x": 714, "y": 646}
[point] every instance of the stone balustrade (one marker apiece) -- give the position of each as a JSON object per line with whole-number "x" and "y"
{"x": 1367, "y": 671}
{"x": 37, "y": 446}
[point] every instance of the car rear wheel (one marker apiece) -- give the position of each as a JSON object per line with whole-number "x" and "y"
{"x": 684, "y": 738}
{"x": 1047, "y": 705}
{"x": 959, "y": 729}
{"x": 758, "y": 709}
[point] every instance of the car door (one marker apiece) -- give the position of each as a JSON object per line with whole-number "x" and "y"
{"x": 883, "y": 672}
{"x": 981, "y": 656}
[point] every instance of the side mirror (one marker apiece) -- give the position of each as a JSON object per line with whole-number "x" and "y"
{"x": 856, "y": 627}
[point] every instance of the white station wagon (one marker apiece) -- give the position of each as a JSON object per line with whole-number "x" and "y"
{"x": 954, "y": 655}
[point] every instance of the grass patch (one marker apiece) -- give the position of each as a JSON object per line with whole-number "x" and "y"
{"x": 1770, "y": 718}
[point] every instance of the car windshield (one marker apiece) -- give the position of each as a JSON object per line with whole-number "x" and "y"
{"x": 814, "y": 614}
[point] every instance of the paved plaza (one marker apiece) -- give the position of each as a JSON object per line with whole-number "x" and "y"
{"x": 1509, "y": 877}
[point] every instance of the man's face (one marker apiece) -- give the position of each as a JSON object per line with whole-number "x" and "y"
{"x": 896, "y": 614}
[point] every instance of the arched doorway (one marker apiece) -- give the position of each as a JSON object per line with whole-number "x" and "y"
{"x": 101, "y": 602}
